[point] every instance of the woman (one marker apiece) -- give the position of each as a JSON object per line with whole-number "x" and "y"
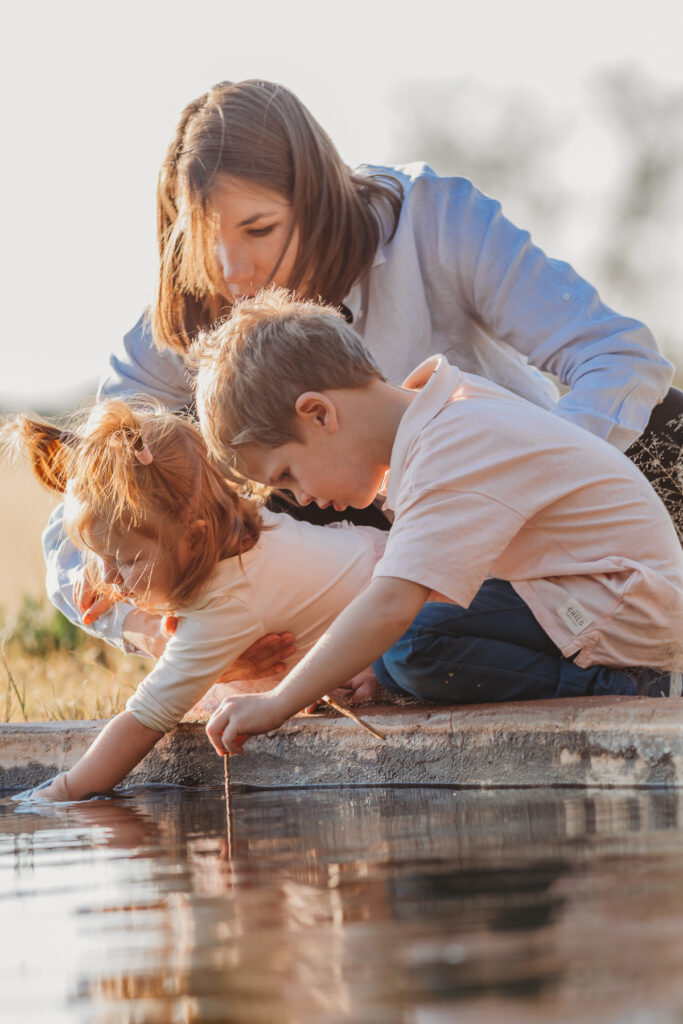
{"x": 253, "y": 192}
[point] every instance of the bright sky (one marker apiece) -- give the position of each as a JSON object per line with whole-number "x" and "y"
{"x": 90, "y": 94}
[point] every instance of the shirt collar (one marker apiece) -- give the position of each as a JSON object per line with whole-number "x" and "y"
{"x": 434, "y": 381}
{"x": 354, "y": 297}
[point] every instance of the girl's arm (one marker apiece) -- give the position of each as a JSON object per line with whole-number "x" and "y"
{"x": 119, "y": 747}
{"x": 366, "y": 628}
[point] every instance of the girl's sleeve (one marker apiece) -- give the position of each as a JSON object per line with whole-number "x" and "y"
{"x": 140, "y": 368}
{"x": 550, "y": 314}
{"x": 205, "y": 643}
{"x": 64, "y": 562}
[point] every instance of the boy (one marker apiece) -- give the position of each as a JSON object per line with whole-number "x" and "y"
{"x": 537, "y": 560}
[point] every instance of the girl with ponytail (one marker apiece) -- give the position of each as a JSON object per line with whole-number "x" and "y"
{"x": 158, "y": 527}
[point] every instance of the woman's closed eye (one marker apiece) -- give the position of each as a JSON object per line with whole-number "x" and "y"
{"x": 261, "y": 232}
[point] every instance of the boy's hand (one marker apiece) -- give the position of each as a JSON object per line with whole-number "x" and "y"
{"x": 241, "y": 716}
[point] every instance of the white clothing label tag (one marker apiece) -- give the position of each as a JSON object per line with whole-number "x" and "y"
{"x": 574, "y": 615}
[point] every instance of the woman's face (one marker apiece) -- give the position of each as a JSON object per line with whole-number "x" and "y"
{"x": 255, "y": 223}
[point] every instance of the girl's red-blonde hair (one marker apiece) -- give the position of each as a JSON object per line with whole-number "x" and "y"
{"x": 261, "y": 133}
{"x": 108, "y": 479}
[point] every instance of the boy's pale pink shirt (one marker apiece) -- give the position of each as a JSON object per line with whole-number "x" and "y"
{"x": 484, "y": 484}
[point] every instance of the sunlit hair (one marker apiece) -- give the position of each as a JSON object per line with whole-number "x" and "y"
{"x": 108, "y": 486}
{"x": 259, "y": 132}
{"x": 252, "y": 368}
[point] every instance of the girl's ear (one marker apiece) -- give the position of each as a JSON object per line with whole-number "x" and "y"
{"x": 195, "y": 536}
{"x": 317, "y": 409}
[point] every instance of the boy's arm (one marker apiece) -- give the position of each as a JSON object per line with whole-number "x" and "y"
{"x": 367, "y": 628}
{"x": 119, "y": 747}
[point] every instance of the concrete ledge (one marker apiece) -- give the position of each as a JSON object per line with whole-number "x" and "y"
{"x": 599, "y": 741}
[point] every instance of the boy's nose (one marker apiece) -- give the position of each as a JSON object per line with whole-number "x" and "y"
{"x": 302, "y": 497}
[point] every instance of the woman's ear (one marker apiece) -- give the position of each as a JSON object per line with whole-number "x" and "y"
{"x": 316, "y": 409}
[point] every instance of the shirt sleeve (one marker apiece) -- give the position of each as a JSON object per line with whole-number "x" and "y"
{"x": 64, "y": 563}
{"x": 204, "y": 644}
{"x": 140, "y": 368}
{"x": 552, "y": 316}
{"x": 448, "y": 540}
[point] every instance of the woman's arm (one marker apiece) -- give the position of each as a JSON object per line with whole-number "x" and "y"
{"x": 139, "y": 368}
{"x": 119, "y": 747}
{"x": 545, "y": 310}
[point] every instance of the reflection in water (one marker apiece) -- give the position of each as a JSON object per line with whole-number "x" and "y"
{"x": 374, "y": 905}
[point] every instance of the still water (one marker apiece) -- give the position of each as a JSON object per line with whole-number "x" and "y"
{"x": 380, "y": 906}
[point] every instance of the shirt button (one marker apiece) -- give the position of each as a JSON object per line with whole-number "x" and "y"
{"x": 566, "y": 297}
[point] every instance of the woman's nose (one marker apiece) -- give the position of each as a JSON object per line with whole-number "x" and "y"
{"x": 234, "y": 263}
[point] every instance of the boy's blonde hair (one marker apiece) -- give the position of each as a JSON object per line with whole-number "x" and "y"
{"x": 253, "y": 367}
{"x": 261, "y": 133}
{"x": 104, "y": 467}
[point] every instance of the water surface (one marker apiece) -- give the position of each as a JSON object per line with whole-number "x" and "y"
{"x": 376, "y": 905}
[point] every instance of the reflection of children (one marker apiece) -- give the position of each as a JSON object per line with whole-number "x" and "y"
{"x": 556, "y": 564}
{"x": 168, "y": 532}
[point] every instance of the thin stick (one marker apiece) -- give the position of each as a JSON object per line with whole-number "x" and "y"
{"x": 228, "y": 807}
{"x": 354, "y": 718}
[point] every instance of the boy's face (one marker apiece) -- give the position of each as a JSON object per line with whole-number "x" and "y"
{"x": 321, "y": 469}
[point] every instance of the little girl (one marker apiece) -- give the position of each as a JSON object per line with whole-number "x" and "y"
{"x": 165, "y": 531}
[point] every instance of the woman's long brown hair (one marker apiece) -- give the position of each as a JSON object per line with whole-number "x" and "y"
{"x": 261, "y": 133}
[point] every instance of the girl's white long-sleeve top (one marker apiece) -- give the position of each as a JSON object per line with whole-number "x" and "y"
{"x": 298, "y": 577}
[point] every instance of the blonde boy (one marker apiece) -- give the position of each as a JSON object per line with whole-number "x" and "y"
{"x": 527, "y": 558}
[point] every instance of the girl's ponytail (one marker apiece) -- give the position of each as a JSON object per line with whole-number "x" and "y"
{"x": 50, "y": 449}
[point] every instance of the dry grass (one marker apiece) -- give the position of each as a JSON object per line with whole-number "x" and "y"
{"x": 49, "y": 670}
{"x": 93, "y": 681}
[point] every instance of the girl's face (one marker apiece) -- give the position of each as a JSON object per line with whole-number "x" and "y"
{"x": 133, "y": 564}
{"x": 255, "y": 223}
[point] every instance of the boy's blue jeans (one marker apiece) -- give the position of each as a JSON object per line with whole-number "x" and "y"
{"x": 495, "y": 650}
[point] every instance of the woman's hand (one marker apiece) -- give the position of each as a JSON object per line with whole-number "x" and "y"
{"x": 265, "y": 657}
{"x": 240, "y": 717}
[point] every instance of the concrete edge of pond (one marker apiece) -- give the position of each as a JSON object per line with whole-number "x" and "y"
{"x": 599, "y": 741}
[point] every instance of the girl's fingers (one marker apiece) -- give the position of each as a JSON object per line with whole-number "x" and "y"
{"x": 98, "y": 607}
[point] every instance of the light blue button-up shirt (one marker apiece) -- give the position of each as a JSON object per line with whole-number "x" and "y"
{"x": 459, "y": 279}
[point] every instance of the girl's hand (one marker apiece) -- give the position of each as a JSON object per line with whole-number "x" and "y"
{"x": 90, "y": 603}
{"x": 52, "y": 791}
{"x": 265, "y": 657}
{"x": 238, "y": 717}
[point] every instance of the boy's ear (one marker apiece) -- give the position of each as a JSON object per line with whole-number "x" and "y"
{"x": 317, "y": 410}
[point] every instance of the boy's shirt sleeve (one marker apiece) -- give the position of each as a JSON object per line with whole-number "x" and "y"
{"x": 205, "y": 643}
{"x": 448, "y": 540}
